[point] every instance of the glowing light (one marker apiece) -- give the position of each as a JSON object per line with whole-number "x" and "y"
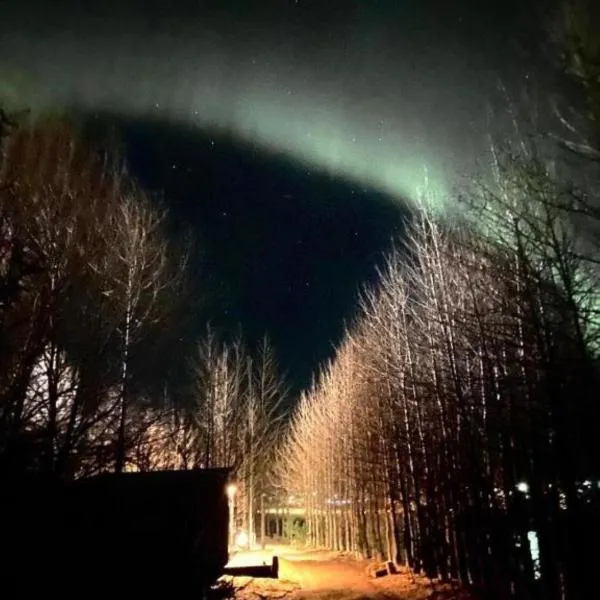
{"x": 241, "y": 539}
{"x": 562, "y": 500}
{"x": 534, "y": 551}
{"x": 231, "y": 490}
{"x": 523, "y": 487}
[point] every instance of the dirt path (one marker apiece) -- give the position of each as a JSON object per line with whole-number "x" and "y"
{"x": 319, "y": 575}
{"x": 328, "y": 577}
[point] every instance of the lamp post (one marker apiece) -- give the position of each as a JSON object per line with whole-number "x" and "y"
{"x": 231, "y": 491}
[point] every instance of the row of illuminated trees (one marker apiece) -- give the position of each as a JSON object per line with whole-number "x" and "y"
{"x": 93, "y": 306}
{"x": 455, "y": 429}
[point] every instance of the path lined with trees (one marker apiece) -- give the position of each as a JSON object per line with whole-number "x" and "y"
{"x": 455, "y": 429}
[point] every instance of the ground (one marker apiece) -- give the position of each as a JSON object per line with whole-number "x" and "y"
{"x": 324, "y": 575}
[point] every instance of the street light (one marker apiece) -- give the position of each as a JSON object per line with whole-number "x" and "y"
{"x": 231, "y": 491}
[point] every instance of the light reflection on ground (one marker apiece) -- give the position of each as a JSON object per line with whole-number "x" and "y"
{"x": 325, "y": 575}
{"x": 252, "y": 558}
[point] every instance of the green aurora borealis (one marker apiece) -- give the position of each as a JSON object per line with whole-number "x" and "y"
{"x": 371, "y": 91}
{"x": 287, "y": 134}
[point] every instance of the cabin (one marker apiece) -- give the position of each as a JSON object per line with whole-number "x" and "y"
{"x": 153, "y": 530}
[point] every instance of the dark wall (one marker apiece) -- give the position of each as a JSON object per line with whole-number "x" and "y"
{"x": 134, "y": 531}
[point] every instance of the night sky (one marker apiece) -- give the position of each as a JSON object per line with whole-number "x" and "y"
{"x": 290, "y": 136}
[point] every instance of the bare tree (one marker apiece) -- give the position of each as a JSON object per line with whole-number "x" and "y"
{"x": 80, "y": 249}
{"x": 134, "y": 272}
{"x": 265, "y": 393}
